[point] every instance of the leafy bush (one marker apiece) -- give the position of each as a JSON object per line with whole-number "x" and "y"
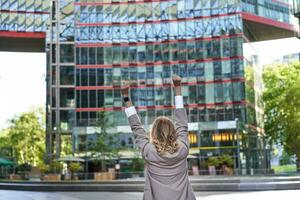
{"x": 219, "y": 161}
{"x": 75, "y": 167}
{"x": 55, "y": 167}
{"x": 137, "y": 164}
{"x": 23, "y": 168}
{"x": 44, "y": 168}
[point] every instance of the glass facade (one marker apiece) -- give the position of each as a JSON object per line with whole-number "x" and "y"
{"x": 24, "y": 15}
{"x": 296, "y": 9}
{"x": 276, "y": 10}
{"x": 61, "y": 103}
{"x": 93, "y": 46}
{"x": 147, "y": 42}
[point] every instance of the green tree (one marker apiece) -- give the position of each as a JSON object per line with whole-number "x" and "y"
{"x": 5, "y": 147}
{"x": 106, "y": 138}
{"x": 281, "y": 97}
{"x": 26, "y": 135}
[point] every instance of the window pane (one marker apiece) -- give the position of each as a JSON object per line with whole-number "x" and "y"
{"x": 66, "y": 53}
{"x": 66, "y": 75}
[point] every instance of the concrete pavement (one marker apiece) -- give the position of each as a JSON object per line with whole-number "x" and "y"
{"x": 220, "y": 183}
{"x": 262, "y": 195}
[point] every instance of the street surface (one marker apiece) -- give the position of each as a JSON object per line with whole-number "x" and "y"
{"x": 264, "y": 195}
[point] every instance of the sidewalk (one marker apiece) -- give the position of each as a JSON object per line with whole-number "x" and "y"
{"x": 261, "y": 195}
{"x": 201, "y": 183}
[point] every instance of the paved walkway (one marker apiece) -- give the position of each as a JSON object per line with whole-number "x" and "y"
{"x": 264, "y": 195}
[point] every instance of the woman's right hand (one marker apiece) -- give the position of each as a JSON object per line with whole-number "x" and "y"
{"x": 177, "y": 84}
{"x": 125, "y": 90}
{"x": 176, "y": 80}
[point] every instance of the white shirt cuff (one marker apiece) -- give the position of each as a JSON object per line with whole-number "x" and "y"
{"x": 179, "y": 101}
{"x": 130, "y": 111}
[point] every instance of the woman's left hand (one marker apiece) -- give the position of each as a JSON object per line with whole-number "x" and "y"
{"x": 125, "y": 89}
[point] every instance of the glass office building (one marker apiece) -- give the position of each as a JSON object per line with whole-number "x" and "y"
{"x": 296, "y": 7}
{"x": 24, "y": 15}
{"x": 23, "y": 25}
{"x": 94, "y": 45}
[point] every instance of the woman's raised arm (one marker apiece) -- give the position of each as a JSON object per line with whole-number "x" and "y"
{"x": 181, "y": 119}
{"x": 140, "y": 135}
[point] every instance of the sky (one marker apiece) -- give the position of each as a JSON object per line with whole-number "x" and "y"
{"x": 22, "y": 75}
{"x": 269, "y": 51}
{"x": 22, "y": 83}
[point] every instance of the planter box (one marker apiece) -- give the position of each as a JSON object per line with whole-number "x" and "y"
{"x": 52, "y": 177}
{"x": 15, "y": 177}
{"x": 104, "y": 176}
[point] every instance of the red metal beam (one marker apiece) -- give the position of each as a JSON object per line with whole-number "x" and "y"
{"x": 124, "y": 2}
{"x": 109, "y": 87}
{"x": 267, "y": 21}
{"x": 161, "y": 42}
{"x": 24, "y": 12}
{"x": 16, "y": 34}
{"x": 136, "y": 64}
{"x": 242, "y": 102}
{"x": 155, "y": 21}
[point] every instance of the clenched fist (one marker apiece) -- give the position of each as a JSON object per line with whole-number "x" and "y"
{"x": 125, "y": 89}
{"x": 176, "y": 80}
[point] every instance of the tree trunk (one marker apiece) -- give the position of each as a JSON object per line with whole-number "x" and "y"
{"x": 103, "y": 166}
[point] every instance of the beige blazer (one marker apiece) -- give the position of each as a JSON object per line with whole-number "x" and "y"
{"x": 166, "y": 176}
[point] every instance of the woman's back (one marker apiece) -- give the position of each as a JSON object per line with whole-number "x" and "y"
{"x": 166, "y": 176}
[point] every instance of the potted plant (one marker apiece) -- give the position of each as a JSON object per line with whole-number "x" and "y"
{"x": 54, "y": 172}
{"x": 212, "y": 163}
{"x": 43, "y": 169}
{"x": 226, "y": 162}
{"x": 74, "y": 167}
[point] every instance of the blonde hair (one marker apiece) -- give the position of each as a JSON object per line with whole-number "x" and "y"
{"x": 163, "y": 136}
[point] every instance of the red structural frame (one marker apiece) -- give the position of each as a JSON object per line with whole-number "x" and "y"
{"x": 16, "y": 34}
{"x": 153, "y": 43}
{"x": 125, "y": 65}
{"x": 156, "y": 21}
{"x": 267, "y": 21}
{"x": 23, "y": 12}
{"x": 162, "y": 107}
{"x": 147, "y": 1}
{"x": 127, "y": 2}
{"x": 241, "y": 79}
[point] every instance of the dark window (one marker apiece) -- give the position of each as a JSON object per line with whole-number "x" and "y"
{"x": 93, "y": 98}
{"x": 92, "y": 56}
{"x": 66, "y": 53}
{"x": 84, "y": 77}
{"x": 100, "y": 55}
{"x": 53, "y": 75}
{"x": 53, "y": 97}
{"x": 217, "y": 70}
{"x": 83, "y": 56}
{"x": 84, "y": 99}
{"x": 100, "y": 77}
{"x": 67, "y": 97}
{"x": 92, "y": 77}
{"x": 66, "y": 75}
{"x": 53, "y": 53}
